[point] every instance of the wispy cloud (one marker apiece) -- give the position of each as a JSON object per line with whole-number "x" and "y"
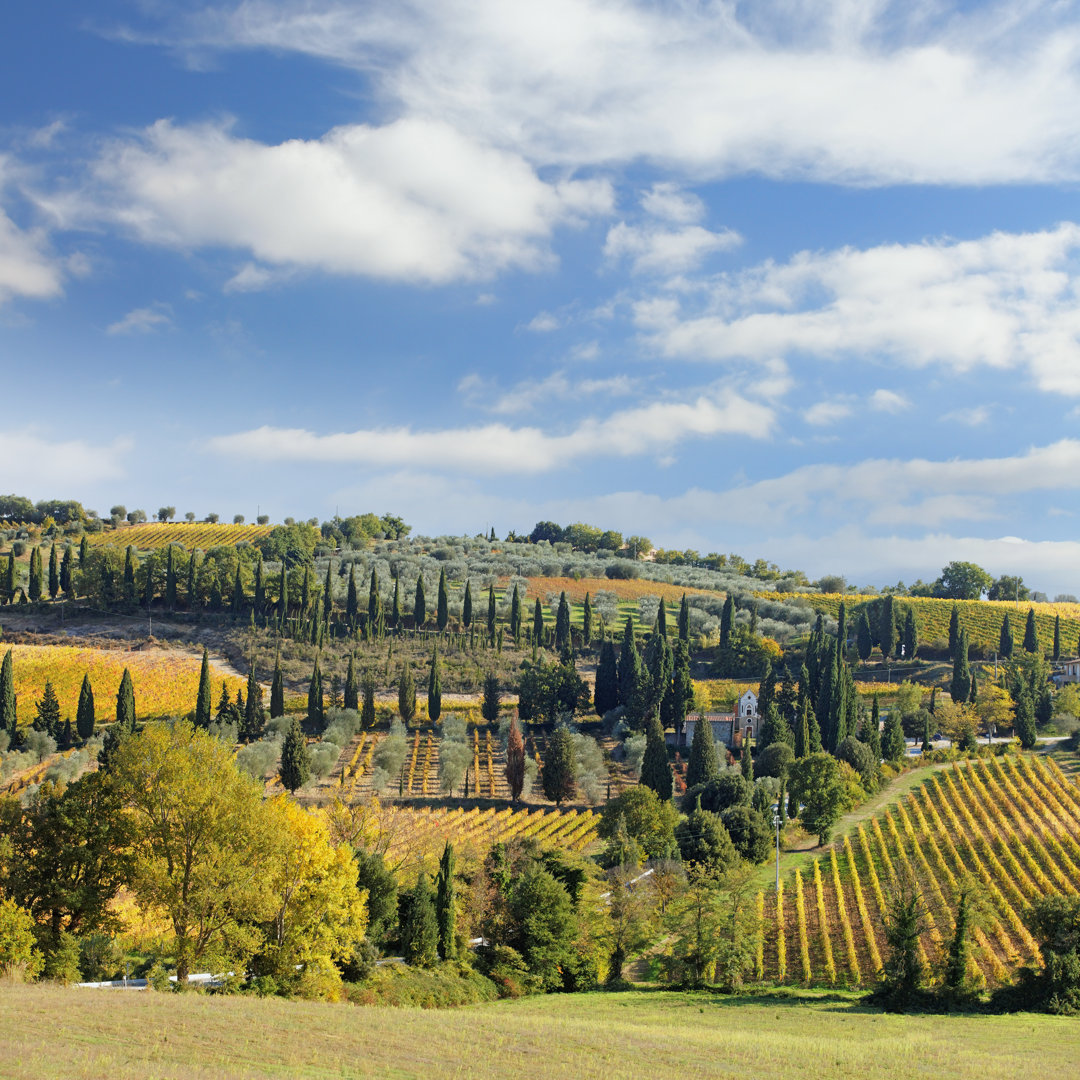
{"x": 144, "y": 320}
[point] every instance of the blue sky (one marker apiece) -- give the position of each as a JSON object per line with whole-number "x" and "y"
{"x": 794, "y": 280}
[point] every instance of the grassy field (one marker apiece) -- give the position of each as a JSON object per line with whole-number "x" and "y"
{"x": 632, "y": 1035}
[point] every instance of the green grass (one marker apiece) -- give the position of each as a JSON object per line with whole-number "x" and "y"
{"x": 63, "y": 1034}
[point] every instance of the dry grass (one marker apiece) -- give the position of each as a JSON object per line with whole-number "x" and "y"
{"x": 631, "y": 590}
{"x": 633, "y": 1035}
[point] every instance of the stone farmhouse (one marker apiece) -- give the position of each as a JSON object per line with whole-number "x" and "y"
{"x": 727, "y": 728}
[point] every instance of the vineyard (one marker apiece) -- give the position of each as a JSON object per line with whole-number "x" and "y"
{"x": 165, "y": 684}
{"x": 1010, "y": 825}
{"x": 190, "y": 535}
{"x": 981, "y": 618}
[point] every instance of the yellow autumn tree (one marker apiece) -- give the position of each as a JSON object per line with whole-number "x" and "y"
{"x": 320, "y": 915}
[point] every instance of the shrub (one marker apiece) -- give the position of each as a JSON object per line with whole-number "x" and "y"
{"x": 622, "y": 570}
{"x": 19, "y": 956}
{"x": 728, "y": 789}
{"x": 774, "y": 760}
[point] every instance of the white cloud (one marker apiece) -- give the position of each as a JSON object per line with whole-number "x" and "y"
{"x": 59, "y": 465}
{"x": 142, "y": 320}
{"x": 863, "y": 93}
{"x": 500, "y": 449}
{"x": 975, "y": 416}
{"x": 827, "y": 412}
{"x": 414, "y": 200}
{"x": 659, "y": 250}
{"x": 26, "y": 267}
{"x": 528, "y": 394}
{"x": 1004, "y": 301}
{"x": 889, "y": 401}
{"x": 670, "y": 203}
{"x": 543, "y": 323}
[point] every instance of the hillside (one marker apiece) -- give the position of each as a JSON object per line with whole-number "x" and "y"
{"x": 620, "y": 1036}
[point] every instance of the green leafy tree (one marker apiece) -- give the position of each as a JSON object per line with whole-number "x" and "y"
{"x": 558, "y": 772}
{"x": 295, "y": 765}
{"x": 10, "y": 579}
{"x": 84, "y": 713}
{"x": 254, "y": 718}
{"x": 203, "y": 700}
{"x": 963, "y": 581}
{"x": 746, "y": 762}
{"x": 395, "y": 611}
{"x": 684, "y": 620}
{"x": 887, "y": 627}
{"x": 817, "y": 783}
{"x": 543, "y": 926}
{"x": 704, "y": 843}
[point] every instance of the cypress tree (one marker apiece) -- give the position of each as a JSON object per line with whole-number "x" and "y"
{"x": 684, "y": 620}
{"x": 515, "y": 760}
{"x": 515, "y": 615}
{"x": 954, "y": 630}
{"x": 367, "y": 712}
{"x": 703, "y": 764}
{"x": 489, "y": 706}
{"x": 396, "y": 611}
{"x": 1025, "y": 721}
{"x": 538, "y": 623}
{"x": 802, "y": 730}
{"x": 203, "y": 703}
{"x": 557, "y": 775}
{"x": 316, "y": 702}
{"x": 973, "y": 693}
{"x": 37, "y": 577}
{"x": 84, "y": 550}
{"x": 661, "y": 619}
{"x": 893, "y": 746}
{"x": 406, "y": 694}
{"x": 442, "y": 612}
{"x": 864, "y": 640}
{"x": 47, "y": 712}
{"x": 746, "y": 762}
{"x": 277, "y": 691}
{"x": 8, "y": 718}
{"x": 841, "y": 627}
{"x": 927, "y": 743}
{"x": 84, "y": 714}
{"x": 148, "y": 582}
{"x": 66, "y": 739}
{"x": 254, "y": 717}
{"x": 328, "y": 593}
{"x": 727, "y": 620}
{"x": 813, "y": 728}
{"x": 224, "y": 707}
{"x": 376, "y": 615}
{"x": 679, "y": 695}
{"x": 933, "y": 700}
{"x": 766, "y": 689}
{"x": 1031, "y": 637}
{"x": 655, "y": 767}
{"x": 466, "y": 606}
{"x": 911, "y": 635}
{"x": 887, "y": 627}
{"x": 434, "y": 688}
{"x": 295, "y": 768}
{"x": 129, "y": 575}
{"x": 420, "y": 932}
{"x": 283, "y": 594}
{"x": 54, "y": 573}
{"x": 606, "y": 692}
{"x": 419, "y": 603}
{"x": 193, "y": 564}
{"x": 305, "y": 593}
{"x": 170, "y": 577}
{"x": 1057, "y": 637}
{"x": 586, "y": 621}
{"x": 352, "y": 598}
{"x": 260, "y": 585}
{"x": 955, "y": 978}
{"x": 10, "y": 579}
{"x": 446, "y": 904}
{"x": 562, "y": 623}
{"x": 237, "y": 591}
{"x": 352, "y": 695}
{"x": 125, "y": 704}
{"x": 629, "y": 664}
{"x": 491, "y": 614}
{"x": 961, "y": 677}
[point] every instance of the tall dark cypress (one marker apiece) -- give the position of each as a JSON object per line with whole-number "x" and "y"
{"x": 515, "y": 615}
{"x": 125, "y": 703}
{"x": 434, "y": 688}
{"x": 148, "y": 580}
{"x": 283, "y": 593}
{"x": 277, "y": 691}
{"x": 260, "y": 585}
{"x": 352, "y": 598}
{"x": 37, "y": 576}
{"x": 1005, "y": 639}
{"x": 446, "y": 904}
{"x": 766, "y": 689}
{"x": 9, "y": 720}
{"x": 84, "y": 550}
{"x": 562, "y": 623}
{"x": 887, "y": 627}
{"x": 367, "y": 711}
{"x": 237, "y": 591}
{"x": 170, "y": 577}
{"x": 727, "y": 620}
{"x": 586, "y": 621}
{"x": 84, "y": 713}
{"x": 316, "y": 705}
{"x": 295, "y": 766}
{"x": 606, "y": 693}
{"x": 54, "y": 573}
{"x": 911, "y": 635}
{"x": 254, "y": 717}
{"x": 352, "y": 691}
{"x": 395, "y": 612}
{"x": 679, "y": 694}
{"x": 10, "y": 579}
{"x": 841, "y": 627}
{"x": 1031, "y": 637}
{"x": 864, "y": 641}
{"x": 129, "y": 576}
{"x": 684, "y": 620}
{"x": 491, "y": 611}
{"x": 192, "y": 567}
{"x": 655, "y": 767}
{"x": 1057, "y": 637}
{"x": 629, "y": 664}
{"x": 305, "y": 593}
{"x": 466, "y": 607}
{"x": 954, "y": 630}
{"x": 960, "y": 686}
{"x": 538, "y": 623}
{"x": 203, "y": 702}
{"x": 442, "y": 606}
{"x": 419, "y": 603}
{"x": 328, "y": 593}
{"x": 661, "y": 619}
{"x": 374, "y": 604}
{"x": 702, "y": 764}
